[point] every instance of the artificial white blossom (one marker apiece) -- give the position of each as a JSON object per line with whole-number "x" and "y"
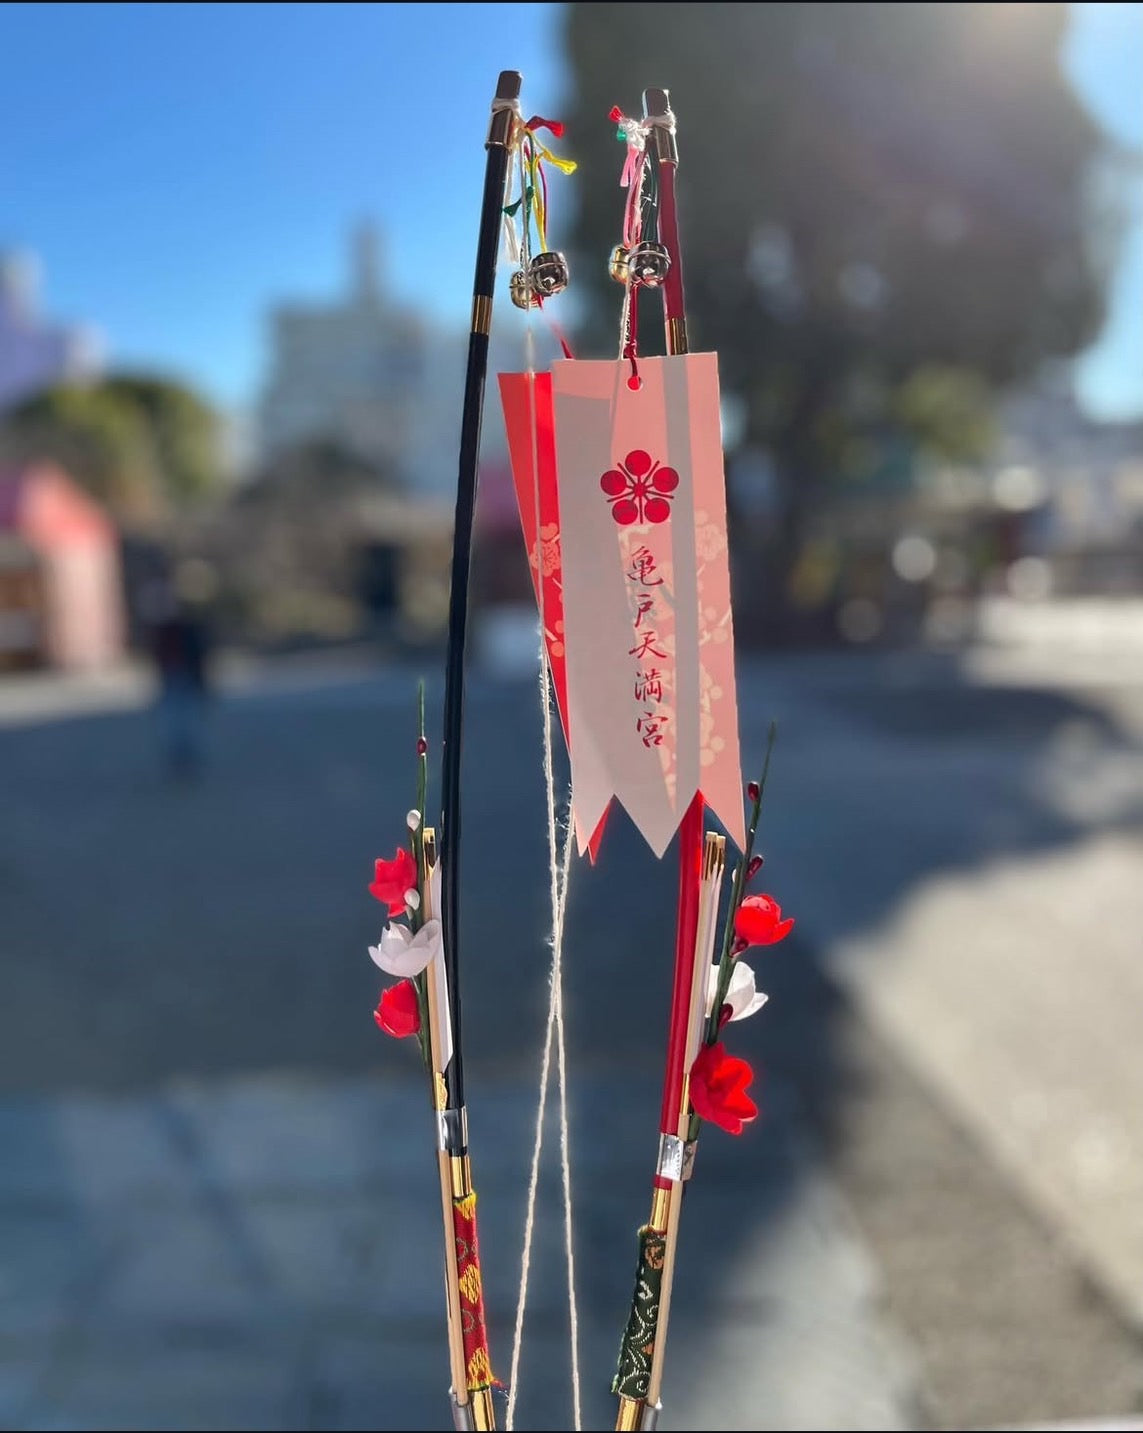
{"x": 413, "y": 899}
{"x": 399, "y": 952}
{"x": 413, "y": 819}
{"x": 741, "y": 995}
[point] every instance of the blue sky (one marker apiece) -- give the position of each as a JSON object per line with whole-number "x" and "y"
{"x": 179, "y": 168}
{"x": 1104, "y": 60}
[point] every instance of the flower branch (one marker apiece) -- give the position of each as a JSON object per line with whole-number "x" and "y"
{"x": 408, "y": 950}
{"x": 746, "y": 867}
{"x": 718, "y": 1080}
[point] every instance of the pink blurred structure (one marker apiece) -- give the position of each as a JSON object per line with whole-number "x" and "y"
{"x": 61, "y": 591}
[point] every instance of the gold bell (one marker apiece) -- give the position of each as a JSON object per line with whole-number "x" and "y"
{"x": 619, "y": 265}
{"x": 522, "y": 293}
{"x": 549, "y": 274}
{"x": 649, "y": 263}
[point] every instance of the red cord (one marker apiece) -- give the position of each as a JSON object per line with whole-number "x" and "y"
{"x": 674, "y": 299}
{"x": 686, "y": 934}
{"x": 631, "y": 347}
{"x": 691, "y": 829}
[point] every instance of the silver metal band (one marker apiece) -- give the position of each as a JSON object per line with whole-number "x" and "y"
{"x": 452, "y": 1130}
{"x": 672, "y": 1158}
{"x": 461, "y": 1413}
{"x": 650, "y": 1419}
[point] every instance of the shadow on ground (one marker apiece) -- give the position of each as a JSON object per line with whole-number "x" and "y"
{"x": 156, "y": 933}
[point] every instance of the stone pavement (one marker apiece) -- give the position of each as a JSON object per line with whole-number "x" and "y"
{"x": 216, "y": 1195}
{"x": 263, "y": 1253}
{"x": 990, "y": 922}
{"x": 1024, "y": 1040}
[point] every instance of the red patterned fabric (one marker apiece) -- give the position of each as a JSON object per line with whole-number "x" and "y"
{"x": 478, "y": 1366}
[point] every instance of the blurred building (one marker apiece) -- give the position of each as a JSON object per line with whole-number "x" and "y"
{"x": 349, "y": 373}
{"x": 61, "y": 597}
{"x": 1077, "y": 485}
{"x": 35, "y": 354}
{"x": 321, "y": 548}
{"x": 382, "y": 383}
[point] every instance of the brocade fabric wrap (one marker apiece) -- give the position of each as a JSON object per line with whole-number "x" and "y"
{"x": 633, "y": 1375}
{"x": 477, "y": 1364}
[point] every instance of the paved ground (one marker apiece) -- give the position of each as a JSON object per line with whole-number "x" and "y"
{"x": 262, "y": 1254}
{"x": 213, "y": 1205}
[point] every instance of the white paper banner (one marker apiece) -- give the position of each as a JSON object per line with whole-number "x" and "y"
{"x": 652, "y": 708}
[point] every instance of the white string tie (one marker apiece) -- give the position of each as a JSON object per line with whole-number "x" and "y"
{"x": 559, "y": 865}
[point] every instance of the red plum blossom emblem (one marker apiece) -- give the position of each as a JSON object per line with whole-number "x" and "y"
{"x": 639, "y": 489}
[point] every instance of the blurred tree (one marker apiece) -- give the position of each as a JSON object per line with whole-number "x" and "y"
{"x": 141, "y": 445}
{"x": 885, "y": 215}
{"x": 183, "y": 428}
{"x": 102, "y": 441}
{"x": 289, "y": 544}
{"x": 314, "y": 469}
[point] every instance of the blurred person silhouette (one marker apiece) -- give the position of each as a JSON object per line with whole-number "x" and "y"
{"x": 180, "y": 649}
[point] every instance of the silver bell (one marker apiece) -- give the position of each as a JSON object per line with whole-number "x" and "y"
{"x": 619, "y": 265}
{"x": 649, "y": 263}
{"x": 522, "y": 293}
{"x": 549, "y": 274}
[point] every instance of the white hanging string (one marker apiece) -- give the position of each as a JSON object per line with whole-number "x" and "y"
{"x": 559, "y": 865}
{"x": 555, "y": 1020}
{"x": 565, "y": 1150}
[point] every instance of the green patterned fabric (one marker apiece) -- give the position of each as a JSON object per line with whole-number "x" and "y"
{"x": 634, "y": 1372}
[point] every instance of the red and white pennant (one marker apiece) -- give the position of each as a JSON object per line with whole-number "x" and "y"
{"x": 628, "y": 549}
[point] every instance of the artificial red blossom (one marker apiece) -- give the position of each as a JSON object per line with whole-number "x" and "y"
{"x": 718, "y": 1089}
{"x": 392, "y": 881}
{"x": 758, "y": 921}
{"x": 397, "y": 1013}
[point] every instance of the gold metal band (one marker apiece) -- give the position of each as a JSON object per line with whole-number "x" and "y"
{"x": 460, "y": 1173}
{"x": 482, "y": 314}
{"x": 685, "y": 1105}
{"x": 660, "y": 1210}
{"x": 677, "y": 341}
{"x": 630, "y": 1413}
{"x": 483, "y": 1412}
